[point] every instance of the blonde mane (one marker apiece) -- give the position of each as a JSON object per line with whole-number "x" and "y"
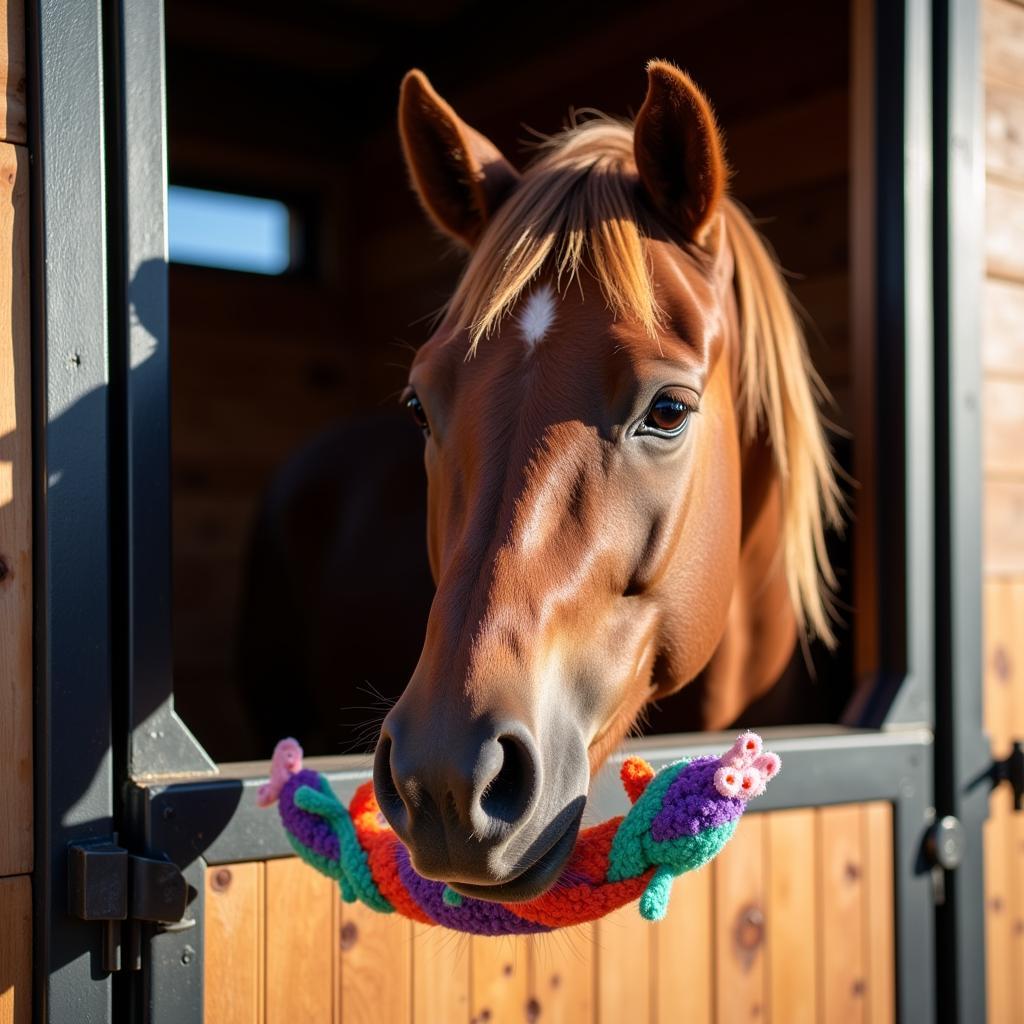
{"x": 577, "y": 208}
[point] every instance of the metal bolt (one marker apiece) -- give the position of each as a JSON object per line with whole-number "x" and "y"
{"x": 168, "y": 813}
{"x": 221, "y": 880}
{"x": 187, "y": 955}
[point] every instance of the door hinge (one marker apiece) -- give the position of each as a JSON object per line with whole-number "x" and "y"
{"x": 121, "y": 890}
{"x": 1011, "y": 770}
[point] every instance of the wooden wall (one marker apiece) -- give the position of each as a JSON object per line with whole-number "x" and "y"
{"x": 791, "y": 924}
{"x": 15, "y": 532}
{"x": 1002, "y": 347}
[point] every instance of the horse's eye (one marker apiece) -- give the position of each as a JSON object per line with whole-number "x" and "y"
{"x": 419, "y": 416}
{"x": 668, "y": 416}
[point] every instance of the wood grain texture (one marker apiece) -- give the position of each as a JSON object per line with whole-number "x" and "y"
{"x": 623, "y": 968}
{"x": 740, "y": 897}
{"x": 13, "y": 117}
{"x": 440, "y": 975}
{"x": 499, "y": 978}
{"x": 879, "y": 892}
{"x": 1003, "y": 527}
{"x": 1004, "y": 229}
{"x": 300, "y": 930}
{"x": 15, "y": 519}
{"x": 1002, "y": 348}
{"x": 15, "y": 950}
{"x": 1004, "y": 130}
{"x": 1003, "y": 426}
{"x": 233, "y": 944}
{"x": 841, "y": 925}
{"x": 683, "y": 944}
{"x": 1003, "y": 40}
{"x": 861, "y": 311}
{"x": 791, "y": 916}
{"x": 376, "y": 966}
{"x": 1004, "y": 675}
{"x": 562, "y": 968}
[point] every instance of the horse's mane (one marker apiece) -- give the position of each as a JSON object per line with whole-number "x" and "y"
{"x": 577, "y": 207}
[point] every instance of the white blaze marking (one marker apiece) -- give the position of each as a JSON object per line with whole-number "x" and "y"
{"x": 537, "y": 316}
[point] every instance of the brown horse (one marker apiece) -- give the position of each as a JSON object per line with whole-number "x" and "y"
{"x": 628, "y": 480}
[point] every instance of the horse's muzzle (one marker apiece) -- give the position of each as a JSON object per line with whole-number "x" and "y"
{"x": 482, "y": 806}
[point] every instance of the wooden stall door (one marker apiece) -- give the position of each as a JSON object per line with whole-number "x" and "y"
{"x": 792, "y": 923}
{"x": 15, "y": 532}
{"x": 1003, "y": 427}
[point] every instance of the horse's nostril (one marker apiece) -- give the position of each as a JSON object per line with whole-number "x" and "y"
{"x": 508, "y": 795}
{"x": 388, "y": 796}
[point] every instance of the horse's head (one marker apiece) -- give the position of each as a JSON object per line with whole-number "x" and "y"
{"x": 585, "y": 419}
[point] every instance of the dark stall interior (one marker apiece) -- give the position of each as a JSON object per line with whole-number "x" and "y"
{"x": 278, "y": 381}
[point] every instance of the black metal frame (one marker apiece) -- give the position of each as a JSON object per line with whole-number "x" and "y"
{"x": 75, "y": 776}
{"x": 105, "y": 698}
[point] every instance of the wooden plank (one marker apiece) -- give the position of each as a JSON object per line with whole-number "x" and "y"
{"x": 499, "y": 986}
{"x": 15, "y": 518}
{"x": 1012, "y": 621}
{"x": 562, "y": 975}
{"x": 1003, "y": 40}
{"x": 300, "y": 943}
{"x": 842, "y": 982}
{"x": 13, "y": 116}
{"x": 863, "y": 330}
{"x": 1003, "y": 675}
{"x": 233, "y": 946}
{"x": 879, "y": 892}
{"x": 791, "y": 916}
{"x": 440, "y": 975}
{"x": 623, "y": 979}
{"x": 683, "y": 973}
{"x": 15, "y": 950}
{"x": 1002, "y": 348}
{"x": 1000, "y": 965}
{"x": 1004, "y": 130}
{"x": 1004, "y": 230}
{"x": 1003, "y": 426}
{"x": 817, "y": 134}
{"x": 376, "y": 966}
{"x": 740, "y": 899}
{"x": 1003, "y": 527}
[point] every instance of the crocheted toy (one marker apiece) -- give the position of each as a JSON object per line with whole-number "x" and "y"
{"x": 680, "y": 819}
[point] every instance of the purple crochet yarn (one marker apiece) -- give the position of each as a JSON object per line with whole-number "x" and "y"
{"x": 477, "y": 916}
{"x": 692, "y": 803}
{"x": 311, "y": 830}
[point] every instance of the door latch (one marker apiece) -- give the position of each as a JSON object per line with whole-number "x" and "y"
{"x": 108, "y": 884}
{"x": 1011, "y": 770}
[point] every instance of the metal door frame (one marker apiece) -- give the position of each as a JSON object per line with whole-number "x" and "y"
{"x": 103, "y": 665}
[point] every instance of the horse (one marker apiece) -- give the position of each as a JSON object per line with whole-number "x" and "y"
{"x": 629, "y": 483}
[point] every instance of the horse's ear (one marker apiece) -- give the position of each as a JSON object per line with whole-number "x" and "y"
{"x": 459, "y": 175}
{"x": 678, "y": 150}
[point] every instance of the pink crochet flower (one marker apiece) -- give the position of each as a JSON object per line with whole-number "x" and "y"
{"x": 746, "y": 768}
{"x": 287, "y": 760}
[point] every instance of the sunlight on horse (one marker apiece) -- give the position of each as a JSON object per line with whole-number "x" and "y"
{"x": 628, "y": 479}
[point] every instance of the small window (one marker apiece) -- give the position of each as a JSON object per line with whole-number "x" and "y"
{"x": 234, "y": 232}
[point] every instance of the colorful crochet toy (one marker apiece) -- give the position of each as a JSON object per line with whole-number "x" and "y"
{"x": 680, "y": 819}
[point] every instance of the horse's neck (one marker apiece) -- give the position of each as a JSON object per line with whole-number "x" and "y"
{"x": 760, "y": 632}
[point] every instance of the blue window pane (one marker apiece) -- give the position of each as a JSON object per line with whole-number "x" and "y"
{"x": 218, "y": 229}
